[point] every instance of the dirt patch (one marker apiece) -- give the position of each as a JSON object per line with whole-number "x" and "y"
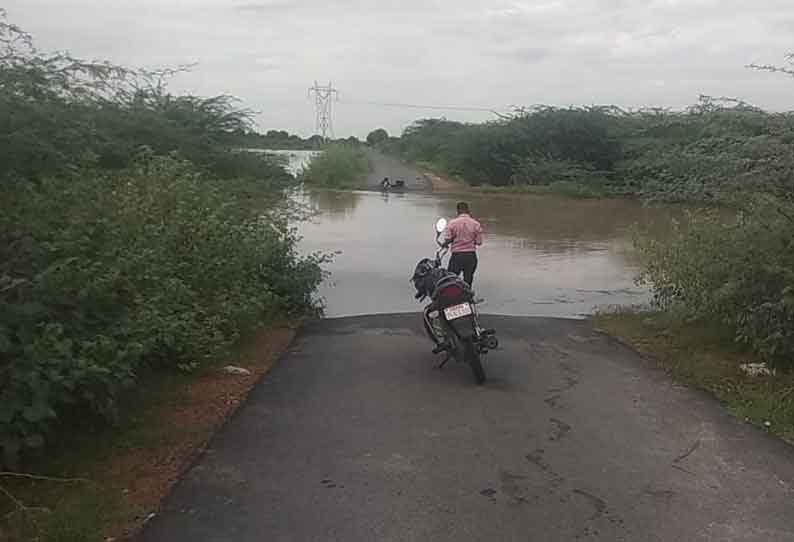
{"x": 144, "y": 475}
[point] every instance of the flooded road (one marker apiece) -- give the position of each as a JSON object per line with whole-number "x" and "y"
{"x": 542, "y": 255}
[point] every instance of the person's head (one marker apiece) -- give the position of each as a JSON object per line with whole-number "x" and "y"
{"x": 463, "y": 208}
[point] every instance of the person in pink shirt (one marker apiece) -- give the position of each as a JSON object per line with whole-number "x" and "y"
{"x": 464, "y": 234}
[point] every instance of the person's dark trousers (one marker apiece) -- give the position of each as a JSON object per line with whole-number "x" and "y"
{"x": 464, "y": 262}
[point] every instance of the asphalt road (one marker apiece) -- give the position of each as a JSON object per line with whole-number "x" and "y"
{"x": 354, "y": 436}
{"x": 388, "y": 166}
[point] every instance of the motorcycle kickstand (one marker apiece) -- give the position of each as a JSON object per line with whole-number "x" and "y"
{"x": 446, "y": 360}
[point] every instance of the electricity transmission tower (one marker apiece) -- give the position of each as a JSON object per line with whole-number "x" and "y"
{"x": 323, "y": 98}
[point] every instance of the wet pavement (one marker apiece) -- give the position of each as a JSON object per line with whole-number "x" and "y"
{"x": 355, "y": 436}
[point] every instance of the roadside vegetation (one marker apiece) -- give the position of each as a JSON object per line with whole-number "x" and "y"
{"x": 247, "y": 138}
{"x": 340, "y": 165}
{"x": 703, "y": 354}
{"x": 704, "y": 154}
{"x": 134, "y": 242}
{"x": 272, "y": 140}
{"x": 734, "y": 277}
{"x": 733, "y": 274}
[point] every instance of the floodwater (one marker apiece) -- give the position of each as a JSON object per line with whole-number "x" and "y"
{"x": 542, "y": 255}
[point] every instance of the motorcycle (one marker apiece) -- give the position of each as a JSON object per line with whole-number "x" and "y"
{"x": 451, "y": 319}
{"x": 387, "y": 185}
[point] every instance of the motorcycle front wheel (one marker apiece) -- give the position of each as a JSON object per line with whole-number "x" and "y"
{"x": 472, "y": 354}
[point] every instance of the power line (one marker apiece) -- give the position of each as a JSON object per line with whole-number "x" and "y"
{"x": 494, "y": 110}
{"x": 323, "y": 100}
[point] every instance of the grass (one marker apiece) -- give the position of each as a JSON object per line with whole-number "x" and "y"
{"x": 86, "y": 511}
{"x": 338, "y": 166}
{"x": 77, "y": 518}
{"x": 117, "y": 475}
{"x": 706, "y": 357}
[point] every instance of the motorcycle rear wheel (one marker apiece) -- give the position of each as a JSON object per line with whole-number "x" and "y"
{"x": 472, "y": 354}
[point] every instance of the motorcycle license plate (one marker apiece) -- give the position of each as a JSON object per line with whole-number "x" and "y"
{"x": 457, "y": 311}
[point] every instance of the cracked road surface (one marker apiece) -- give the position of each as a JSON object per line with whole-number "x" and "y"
{"x": 354, "y": 436}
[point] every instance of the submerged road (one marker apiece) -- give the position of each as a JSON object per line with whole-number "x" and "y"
{"x": 354, "y": 436}
{"x": 383, "y": 165}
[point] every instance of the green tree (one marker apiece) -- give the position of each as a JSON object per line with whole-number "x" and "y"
{"x": 377, "y": 136}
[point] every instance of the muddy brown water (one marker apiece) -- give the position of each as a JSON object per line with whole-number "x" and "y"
{"x": 542, "y": 255}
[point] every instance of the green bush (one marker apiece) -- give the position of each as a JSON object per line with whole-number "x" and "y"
{"x": 709, "y": 153}
{"x": 738, "y": 272}
{"x": 537, "y": 147}
{"x": 101, "y": 275}
{"x": 377, "y": 137}
{"x": 716, "y": 156}
{"x": 741, "y": 271}
{"x": 60, "y": 115}
{"x": 338, "y": 166}
{"x": 131, "y": 236}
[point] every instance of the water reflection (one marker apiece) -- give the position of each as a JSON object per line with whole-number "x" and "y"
{"x": 386, "y": 196}
{"x": 542, "y": 255}
{"x": 294, "y": 160}
{"x": 332, "y": 205}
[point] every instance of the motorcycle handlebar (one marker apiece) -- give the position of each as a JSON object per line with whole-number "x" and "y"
{"x": 440, "y": 253}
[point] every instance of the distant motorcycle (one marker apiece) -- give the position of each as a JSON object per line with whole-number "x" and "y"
{"x": 451, "y": 319}
{"x": 387, "y": 185}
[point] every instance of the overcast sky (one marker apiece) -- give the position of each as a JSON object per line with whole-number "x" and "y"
{"x": 490, "y": 54}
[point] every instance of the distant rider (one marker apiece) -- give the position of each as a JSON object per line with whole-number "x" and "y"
{"x": 464, "y": 234}
{"x": 385, "y": 183}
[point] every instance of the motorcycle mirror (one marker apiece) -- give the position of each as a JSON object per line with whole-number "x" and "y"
{"x": 441, "y": 225}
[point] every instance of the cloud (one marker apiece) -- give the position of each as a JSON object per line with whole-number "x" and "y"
{"x": 263, "y": 6}
{"x": 529, "y": 55}
{"x": 445, "y": 52}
